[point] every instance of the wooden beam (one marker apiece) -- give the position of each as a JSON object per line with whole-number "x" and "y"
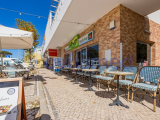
{"x": 146, "y": 41}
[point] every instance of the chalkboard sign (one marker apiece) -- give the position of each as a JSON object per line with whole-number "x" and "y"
{"x": 12, "y": 99}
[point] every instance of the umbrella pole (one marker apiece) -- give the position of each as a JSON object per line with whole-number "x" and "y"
{"x": 1, "y": 53}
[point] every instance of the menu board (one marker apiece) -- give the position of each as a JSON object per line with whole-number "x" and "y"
{"x": 11, "y": 99}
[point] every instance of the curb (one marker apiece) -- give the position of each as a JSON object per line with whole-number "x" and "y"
{"x": 43, "y": 106}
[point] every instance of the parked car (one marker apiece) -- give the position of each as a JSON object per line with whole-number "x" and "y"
{"x": 13, "y": 61}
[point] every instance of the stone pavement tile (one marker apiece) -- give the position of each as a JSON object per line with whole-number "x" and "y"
{"x": 29, "y": 87}
{"x": 32, "y": 102}
{"x": 72, "y": 102}
{"x": 33, "y": 110}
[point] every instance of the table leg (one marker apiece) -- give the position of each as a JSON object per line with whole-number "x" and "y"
{"x": 55, "y": 71}
{"x": 117, "y": 101}
{"x": 68, "y": 75}
{"x": 76, "y": 79}
{"x": 60, "y": 72}
{"x": 90, "y": 88}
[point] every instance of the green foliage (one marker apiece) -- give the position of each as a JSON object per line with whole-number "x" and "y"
{"x": 28, "y": 26}
{"x": 4, "y": 53}
{"x": 28, "y": 56}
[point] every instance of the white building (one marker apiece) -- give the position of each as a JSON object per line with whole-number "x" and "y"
{"x": 38, "y": 50}
{"x": 58, "y": 31}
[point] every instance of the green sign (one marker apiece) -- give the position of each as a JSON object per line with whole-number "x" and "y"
{"x": 74, "y": 43}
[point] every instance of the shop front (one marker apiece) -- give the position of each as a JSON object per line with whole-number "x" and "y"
{"x": 80, "y": 54}
{"x": 115, "y": 40}
{"x": 87, "y": 55}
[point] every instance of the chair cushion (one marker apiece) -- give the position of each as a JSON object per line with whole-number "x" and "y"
{"x": 80, "y": 73}
{"x": 11, "y": 73}
{"x": 74, "y": 72}
{"x": 145, "y": 86}
{"x": 88, "y": 74}
{"x": 96, "y": 76}
{"x": 106, "y": 78}
{"x": 124, "y": 82}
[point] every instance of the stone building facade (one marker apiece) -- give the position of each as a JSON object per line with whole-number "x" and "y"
{"x": 129, "y": 30}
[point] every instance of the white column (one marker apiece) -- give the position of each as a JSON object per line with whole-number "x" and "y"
{"x": 1, "y": 53}
{"x": 120, "y": 56}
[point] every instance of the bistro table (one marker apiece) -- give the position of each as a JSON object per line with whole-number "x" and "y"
{"x": 118, "y": 73}
{"x": 17, "y": 70}
{"x": 90, "y": 71}
{"x": 67, "y": 68}
{"x": 59, "y": 69}
{"x": 76, "y": 69}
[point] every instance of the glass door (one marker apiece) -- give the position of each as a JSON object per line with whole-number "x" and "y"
{"x": 93, "y": 54}
{"x": 84, "y": 56}
{"x": 81, "y": 57}
{"x": 78, "y": 58}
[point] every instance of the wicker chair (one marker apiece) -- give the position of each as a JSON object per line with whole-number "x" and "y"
{"x": 150, "y": 84}
{"x": 108, "y": 78}
{"x": 129, "y": 79}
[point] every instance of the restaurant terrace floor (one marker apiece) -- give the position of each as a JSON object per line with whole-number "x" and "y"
{"x": 68, "y": 101}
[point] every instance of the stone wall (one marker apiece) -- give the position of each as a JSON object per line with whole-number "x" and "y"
{"x": 132, "y": 29}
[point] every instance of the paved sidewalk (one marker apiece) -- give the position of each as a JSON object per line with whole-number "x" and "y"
{"x": 31, "y": 90}
{"x": 70, "y": 102}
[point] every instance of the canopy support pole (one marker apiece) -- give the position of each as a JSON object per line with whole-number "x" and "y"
{"x": 1, "y": 53}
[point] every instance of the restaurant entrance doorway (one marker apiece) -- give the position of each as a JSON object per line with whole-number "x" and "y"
{"x": 143, "y": 53}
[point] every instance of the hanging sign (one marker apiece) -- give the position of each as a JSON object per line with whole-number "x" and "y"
{"x": 7, "y": 56}
{"x": 74, "y": 43}
{"x": 12, "y": 101}
{"x": 66, "y": 49}
{"x": 86, "y": 38}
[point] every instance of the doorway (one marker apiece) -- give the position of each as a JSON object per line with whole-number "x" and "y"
{"x": 78, "y": 58}
{"x": 143, "y": 52}
{"x": 81, "y": 57}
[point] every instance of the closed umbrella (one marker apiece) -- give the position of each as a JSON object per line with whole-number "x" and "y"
{"x": 12, "y": 38}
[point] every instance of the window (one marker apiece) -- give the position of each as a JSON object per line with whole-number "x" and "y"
{"x": 17, "y": 61}
{"x": 93, "y": 54}
{"x": 8, "y": 62}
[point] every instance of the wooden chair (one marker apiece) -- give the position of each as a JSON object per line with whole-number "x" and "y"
{"x": 100, "y": 73}
{"x": 81, "y": 74}
{"x": 62, "y": 69}
{"x": 108, "y": 78}
{"x": 74, "y": 72}
{"x": 22, "y": 73}
{"x": 150, "y": 84}
{"x": 3, "y": 74}
{"x": 88, "y": 74}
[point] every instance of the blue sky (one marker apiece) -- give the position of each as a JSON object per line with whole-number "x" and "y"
{"x": 37, "y": 7}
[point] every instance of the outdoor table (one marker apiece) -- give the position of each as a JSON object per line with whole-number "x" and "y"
{"x": 118, "y": 73}
{"x": 76, "y": 69}
{"x": 60, "y": 69}
{"x": 90, "y": 70}
{"x": 18, "y": 70}
{"x": 67, "y": 68}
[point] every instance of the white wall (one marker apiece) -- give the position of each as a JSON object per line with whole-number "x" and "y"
{"x": 51, "y": 27}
